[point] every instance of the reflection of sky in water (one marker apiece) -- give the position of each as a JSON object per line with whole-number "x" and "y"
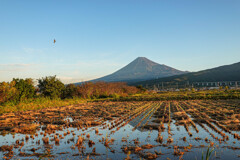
{"x": 144, "y": 136}
{"x": 69, "y": 119}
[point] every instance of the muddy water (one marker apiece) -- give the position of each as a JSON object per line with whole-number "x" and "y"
{"x": 65, "y": 150}
{"x": 122, "y": 138}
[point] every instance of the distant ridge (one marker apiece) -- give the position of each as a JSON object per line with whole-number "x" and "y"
{"x": 222, "y": 73}
{"x": 140, "y": 69}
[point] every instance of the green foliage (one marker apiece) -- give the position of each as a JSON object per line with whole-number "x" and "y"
{"x": 208, "y": 154}
{"x": 37, "y": 103}
{"x": 184, "y": 95}
{"x": 193, "y": 90}
{"x": 25, "y": 89}
{"x": 70, "y": 91}
{"x": 226, "y": 88}
{"x": 51, "y": 87}
{"x": 115, "y": 96}
{"x": 141, "y": 88}
{"x": 7, "y": 91}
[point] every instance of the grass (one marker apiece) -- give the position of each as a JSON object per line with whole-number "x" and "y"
{"x": 41, "y": 102}
{"x": 37, "y": 104}
{"x": 184, "y": 95}
{"x": 208, "y": 154}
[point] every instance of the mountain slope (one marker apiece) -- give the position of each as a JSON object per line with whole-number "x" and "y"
{"x": 222, "y": 73}
{"x": 140, "y": 69}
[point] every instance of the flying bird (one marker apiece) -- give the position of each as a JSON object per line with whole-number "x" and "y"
{"x": 54, "y": 41}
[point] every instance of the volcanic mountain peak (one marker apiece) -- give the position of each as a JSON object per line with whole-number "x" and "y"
{"x": 140, "y": 69}
{"x": 145, "y": 60}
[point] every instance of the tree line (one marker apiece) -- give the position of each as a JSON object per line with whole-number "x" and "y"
{"x": 21, "y": 89}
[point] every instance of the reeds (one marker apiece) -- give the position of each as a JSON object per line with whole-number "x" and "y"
{"x": 208, "y": 154}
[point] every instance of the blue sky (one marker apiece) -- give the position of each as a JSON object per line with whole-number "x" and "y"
{"x": 95, "y": 38}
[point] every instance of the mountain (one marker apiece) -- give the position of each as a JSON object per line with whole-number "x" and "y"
{"x": 140, "y": 69}
{"x": 218, "y": 74}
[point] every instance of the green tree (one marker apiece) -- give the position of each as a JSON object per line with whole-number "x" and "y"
{"x": 25, "y": 88}
{"x": 141, "y": 88}
{"x": 51, "y": 87}
{"x": 7, "y": 91}
{"x": 70, "y": 91}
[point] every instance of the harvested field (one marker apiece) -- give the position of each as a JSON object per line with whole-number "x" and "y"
{"x": 119, "y": 130}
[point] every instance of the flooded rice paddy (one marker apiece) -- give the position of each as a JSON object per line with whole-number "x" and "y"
{"x": 124, "y": 130}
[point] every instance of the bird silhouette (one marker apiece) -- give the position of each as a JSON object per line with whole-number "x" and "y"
{"x": 54, "y": 41}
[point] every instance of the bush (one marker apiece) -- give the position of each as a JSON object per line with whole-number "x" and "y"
{"x": 7, "y": 91}
{"x": 25, "y": 89}
{"x": 105, "y": 89}
{"x": 70, "y": 91}
{"x": 51, "y": 87}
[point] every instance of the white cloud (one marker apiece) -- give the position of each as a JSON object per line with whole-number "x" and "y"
{"x": 17, "y": 70}
{"x": 67, "y": 73}
{"x": 15, "y": 67}
{"x": 67, "y": 80}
